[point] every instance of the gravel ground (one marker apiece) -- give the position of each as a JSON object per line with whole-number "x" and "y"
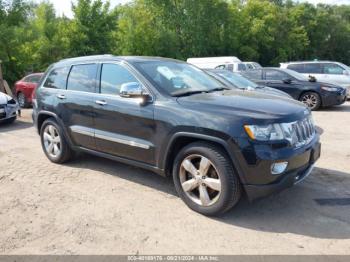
{"x": 96, "y": 206}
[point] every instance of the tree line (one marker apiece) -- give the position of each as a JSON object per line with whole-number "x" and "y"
{"x": 32, "y": 36}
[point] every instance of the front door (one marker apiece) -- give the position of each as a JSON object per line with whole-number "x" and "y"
{"x": 123, "y": 126}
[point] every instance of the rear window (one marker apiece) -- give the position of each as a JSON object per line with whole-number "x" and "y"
{"x": 57, "y": 78}
{"x": 296, "y": 67}
{"x": 82, "y": 78}
{"x": 241, "y": 67}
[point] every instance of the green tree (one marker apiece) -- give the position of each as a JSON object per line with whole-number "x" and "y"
{"x": 92, "y": 28}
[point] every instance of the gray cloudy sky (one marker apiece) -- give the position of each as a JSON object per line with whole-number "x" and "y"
{"x": 64, "y": 6}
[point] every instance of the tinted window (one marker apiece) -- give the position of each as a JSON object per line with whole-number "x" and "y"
{"x": 57, "y": 78}
{"x": 241, "y": 67}
{"x": 275, "y": 75}
{"x": 253, "y": 74}
{"x": 82, "y": 78}
{"x": 296, "y": 67}
{"x": 221, "y": 67}
{"x": 332, "y": 69}
{"x": 113, "y": 76}
{"x": 313, "y": 68}
{"x": 250, "y": 66}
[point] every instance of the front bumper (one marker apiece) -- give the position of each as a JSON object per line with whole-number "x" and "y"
{"x": 8, "y": 112}
{"x": 290, "y": 178}
{"x": 331, "y": 99}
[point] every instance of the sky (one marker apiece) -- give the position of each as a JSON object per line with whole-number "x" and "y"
{"x": 64, "y": 6}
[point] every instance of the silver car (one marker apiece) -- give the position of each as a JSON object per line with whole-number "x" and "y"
{"x": 9, "y": 109}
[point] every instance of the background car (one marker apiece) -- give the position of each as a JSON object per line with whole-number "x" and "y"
{"x": 24, "y": 88}
{"x": 238, "y": 81}
{"x": 324, "y": 71}
{"x": 309, "y": 91}
{"x": 8, "y": 108}
{"x": 252, "y": 65}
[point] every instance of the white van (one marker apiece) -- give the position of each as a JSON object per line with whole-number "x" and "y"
{"x": 323, "y": 71}
{"x": 230, "y": 63}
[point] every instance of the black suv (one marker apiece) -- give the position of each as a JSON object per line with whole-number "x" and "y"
{"x": 174, "y": 119}
{"x": 312, "y": 93}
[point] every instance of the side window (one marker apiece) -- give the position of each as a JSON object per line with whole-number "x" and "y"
{"x": 28, "y": 79}
{"x": 35, "y": 79}
{"x": 241, "y": 67}
{"x": 296, "y": 67}
{"x": 112, "y": 78}
{"x": 253, "y": 74}
{"x": 332, "y": 69}
{"x": 57, "y": 78}
{"x": 82, "y": 78}
{"x": 313, "y": 68}
{"x": 250, "y": 66}
{"x": 275, "y": 75}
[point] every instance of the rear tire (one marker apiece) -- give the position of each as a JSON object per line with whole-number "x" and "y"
{"x": 211, "y": 187}
{"x": 311, "y": 99}
{"x": 54, "y": 143}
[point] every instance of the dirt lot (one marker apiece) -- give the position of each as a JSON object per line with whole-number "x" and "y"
{"x": 96, "y": 206}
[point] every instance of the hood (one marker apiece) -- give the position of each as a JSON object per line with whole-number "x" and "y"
{"x": 243, "y": 103}
{"x": 4, "y": 98}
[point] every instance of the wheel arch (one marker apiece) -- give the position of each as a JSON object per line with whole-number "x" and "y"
{"x": 312, "y": 91}
{"x": 182, "y": 139}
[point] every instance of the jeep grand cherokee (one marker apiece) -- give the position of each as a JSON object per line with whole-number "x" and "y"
{"x": 174, "y": 119}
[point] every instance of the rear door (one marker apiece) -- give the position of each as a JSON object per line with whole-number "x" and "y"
{"x": 75, "y": 104}
{"x": 123, "y": 126}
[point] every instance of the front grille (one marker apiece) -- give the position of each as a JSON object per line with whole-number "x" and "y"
{"x": 303, "y": 132}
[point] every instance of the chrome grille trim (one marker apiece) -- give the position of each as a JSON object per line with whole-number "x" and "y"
{"x": 303, "y": 132}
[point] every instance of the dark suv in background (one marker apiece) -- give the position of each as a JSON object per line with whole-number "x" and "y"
{"x": 174, "y": 119}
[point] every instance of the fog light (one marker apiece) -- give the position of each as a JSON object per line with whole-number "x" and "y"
{"x": 278, "y": 168}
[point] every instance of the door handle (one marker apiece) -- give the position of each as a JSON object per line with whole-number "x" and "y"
{"x": 101, "y": 102}
{"x": 61, "y": 96}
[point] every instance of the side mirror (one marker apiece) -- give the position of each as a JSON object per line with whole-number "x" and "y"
{"x": 346, "y": 72}
{"x": 134, "y": 90}
{"x": 287, "y": 81}
{"x": 131, "y": 89}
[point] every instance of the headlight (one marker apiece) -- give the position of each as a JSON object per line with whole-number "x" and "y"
{"x": 265, "y": 133}
{"x": 297, "y": 133}
{"x": 330, "y": 89}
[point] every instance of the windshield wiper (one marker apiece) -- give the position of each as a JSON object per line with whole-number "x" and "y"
{"x": 188, "y": 93}
{"x": 218, "y": 89}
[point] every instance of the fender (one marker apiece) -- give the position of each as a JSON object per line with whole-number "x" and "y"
{"x": 163, "y": 161}
{"x": 59, "y": 121}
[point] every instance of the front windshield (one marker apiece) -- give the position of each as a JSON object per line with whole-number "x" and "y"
{"x": 296, "y": 75}
{"x": 237, "y": 80}
{"x": 177, "y": 78}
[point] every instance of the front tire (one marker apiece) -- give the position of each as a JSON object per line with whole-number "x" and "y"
{"x": 205, "y": 179}
{"x": 311, "y": 99}
{"x": 54, "y": 143}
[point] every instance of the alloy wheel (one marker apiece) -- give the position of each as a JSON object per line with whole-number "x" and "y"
{"x": 200, "y": 180}
{"x": 310, "y": 100}
{"x": 52, "y": 141}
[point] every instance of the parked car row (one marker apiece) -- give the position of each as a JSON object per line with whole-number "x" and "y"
{"x": 218, "y": 135}
{"x": 305, "y": 87}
